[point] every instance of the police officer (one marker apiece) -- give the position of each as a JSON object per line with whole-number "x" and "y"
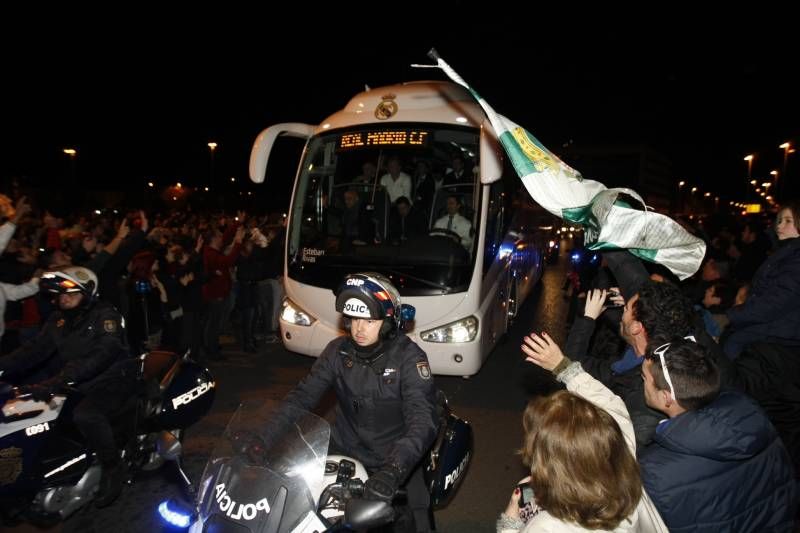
{"x": 82, "y": 344}
{"x": 386, "y": 400}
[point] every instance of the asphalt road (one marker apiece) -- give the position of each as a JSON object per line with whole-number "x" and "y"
{"x": 492, "y": 401}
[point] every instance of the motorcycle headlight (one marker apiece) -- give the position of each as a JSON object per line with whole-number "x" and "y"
{"x": 464, "y": 330}
{"x": 294, "y": 315}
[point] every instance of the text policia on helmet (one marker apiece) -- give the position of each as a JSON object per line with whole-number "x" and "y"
{"x": 356, "y": 308}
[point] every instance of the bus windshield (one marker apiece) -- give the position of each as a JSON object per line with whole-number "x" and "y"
{"x": 402, "y": 200}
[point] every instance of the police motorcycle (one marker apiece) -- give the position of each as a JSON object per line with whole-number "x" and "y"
{"x": 270, "y": 472}
{"x": 46, "y": 471}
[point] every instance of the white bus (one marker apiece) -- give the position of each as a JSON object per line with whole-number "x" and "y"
{"x": 466, "y": 275}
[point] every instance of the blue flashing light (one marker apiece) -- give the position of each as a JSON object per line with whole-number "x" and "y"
{"x": 576, "y": 257}
{"x": 407, "y": 312}
{"x": 174, "y": 517}
{"x": 505, "y": 251}
{"x": 594, "y": 259}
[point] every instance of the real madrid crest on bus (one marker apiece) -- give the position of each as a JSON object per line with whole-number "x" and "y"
{"x": 387, "y": 108}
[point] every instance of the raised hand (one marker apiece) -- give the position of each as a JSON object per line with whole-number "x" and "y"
{"x": 239, "y": 234}
{"x": 145, "y": 223}
{"x": 124, "y": 229}
{"x": 615, "y": 295}
{"x": 22, "y": 208}
{"x": 595, "y": 301}
{"x": 542, "y": 351}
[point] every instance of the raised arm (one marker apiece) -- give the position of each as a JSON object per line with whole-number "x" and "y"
{"x": 544, "y": 352}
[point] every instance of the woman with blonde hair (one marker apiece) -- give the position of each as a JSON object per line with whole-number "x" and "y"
{"x": 580, "y": 447}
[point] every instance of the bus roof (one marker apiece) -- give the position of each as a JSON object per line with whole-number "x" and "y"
{"x": 417, "y": 101}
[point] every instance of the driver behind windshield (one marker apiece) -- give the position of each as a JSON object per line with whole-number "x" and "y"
{"x": 456, "y": 223}
{"x": 386, "y": 414}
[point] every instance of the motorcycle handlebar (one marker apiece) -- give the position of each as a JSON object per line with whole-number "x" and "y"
{"x": 18, "y": 392}
{"x": 352, "y": 488}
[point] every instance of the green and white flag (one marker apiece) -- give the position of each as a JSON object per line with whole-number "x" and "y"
{"x": 608, "y": 223}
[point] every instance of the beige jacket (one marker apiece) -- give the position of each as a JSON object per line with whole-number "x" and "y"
{"x": 646, "y": 518}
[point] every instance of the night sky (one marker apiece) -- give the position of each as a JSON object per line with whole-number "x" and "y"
{"x": 141, "y": 94}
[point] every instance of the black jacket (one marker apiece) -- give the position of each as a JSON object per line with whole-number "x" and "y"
{"x": 85, "y": 349}
{"x": 386, "y": 411}
{"x": 627, "y": 385}
{"x": 720, "y": 468}
{"x": 771, "y": 312}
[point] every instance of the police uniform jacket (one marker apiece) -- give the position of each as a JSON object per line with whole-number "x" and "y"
{"x": 84, "y": 349}
{"x": 386, "y": 409}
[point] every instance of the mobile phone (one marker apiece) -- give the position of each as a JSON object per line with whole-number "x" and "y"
{"x": 526, "y": 494}
{"x": 611, "y": 303}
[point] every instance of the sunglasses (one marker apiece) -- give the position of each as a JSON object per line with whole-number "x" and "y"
{"x": 660, "y": 351}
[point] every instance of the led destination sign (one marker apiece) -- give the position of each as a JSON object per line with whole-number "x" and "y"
{"x": 363, "y": 139}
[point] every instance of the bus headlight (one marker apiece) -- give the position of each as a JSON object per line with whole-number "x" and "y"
{"x": 464, "y": 330}
{"x": 293, "y": 315}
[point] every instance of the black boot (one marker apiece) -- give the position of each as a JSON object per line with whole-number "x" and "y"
{"x": 110, "y": 484}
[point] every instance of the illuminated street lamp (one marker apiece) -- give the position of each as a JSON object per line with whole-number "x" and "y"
{"x": 73, "y": 154}
{"x": 212, "y": 146}
{"x": 749, "y": 159}
{"x": 679, "y": 205}
{"x": 787, "y": 148}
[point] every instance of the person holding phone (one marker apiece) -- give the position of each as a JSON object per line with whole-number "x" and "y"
{"x": 580, "y": 447}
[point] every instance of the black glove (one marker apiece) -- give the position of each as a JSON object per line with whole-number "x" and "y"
{"x": 41, "y": 392}
{"x": 382, "y": 485}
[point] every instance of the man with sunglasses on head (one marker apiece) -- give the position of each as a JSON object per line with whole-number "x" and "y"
{"x": 652, "y": 310}
{"x": 716, "y": 462}
{"x": 656, "y": 310}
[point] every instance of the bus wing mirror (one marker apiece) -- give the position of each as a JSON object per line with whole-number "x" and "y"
{"x": 491, "y": 168}
{"x": 262, "y": 147}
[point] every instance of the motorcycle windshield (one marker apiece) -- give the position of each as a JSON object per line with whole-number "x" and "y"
{"x": 266, "y": 472}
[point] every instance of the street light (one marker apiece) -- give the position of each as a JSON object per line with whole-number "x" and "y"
{"x": 749, "y": 159}
{"x": 212, "y": 146}
{"x": 72, "y": 153}
{"x": 787, "y": 148}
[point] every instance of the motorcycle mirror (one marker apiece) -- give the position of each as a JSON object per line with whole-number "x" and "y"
{"x": 168, "y": 446}
{"x": 365, "y": 514}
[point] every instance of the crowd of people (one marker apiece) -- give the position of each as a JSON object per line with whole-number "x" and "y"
{"x": 176, "y": 278}
{"x": 84, "y": 294}
{"x": 681, "y": 411}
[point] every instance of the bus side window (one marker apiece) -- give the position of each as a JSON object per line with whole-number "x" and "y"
{"x": 495, "y": 224}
